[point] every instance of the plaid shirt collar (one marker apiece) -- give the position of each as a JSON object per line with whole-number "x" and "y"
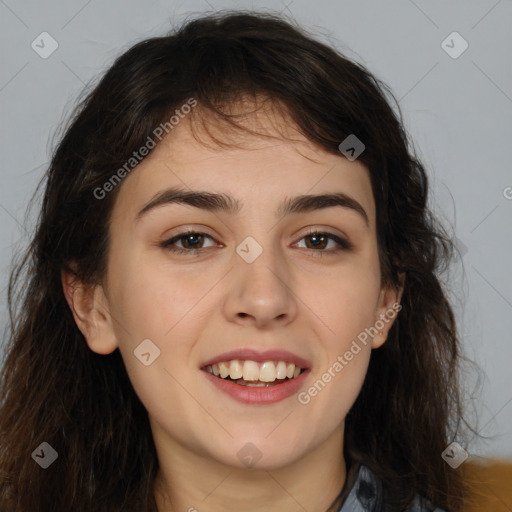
{"x": 364, "y": 494}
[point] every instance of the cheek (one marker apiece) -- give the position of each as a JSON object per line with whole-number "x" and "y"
{"x": 153, "y": 299}
{"x": 345, "y": 300}
{"x": 163, "y": 305}
{"x": 330, "y": 396}
{"x": 345, "y": 303}
{"x": 154, "y": 304}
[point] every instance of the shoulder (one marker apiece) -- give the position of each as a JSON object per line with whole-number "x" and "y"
{"x": 366, "y": 496}
{"x": 421, "y": 504}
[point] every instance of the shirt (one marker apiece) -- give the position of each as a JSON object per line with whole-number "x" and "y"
{"x": 363, "y": 494}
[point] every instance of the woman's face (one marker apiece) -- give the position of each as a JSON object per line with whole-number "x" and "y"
{"x": 258, "y": 282}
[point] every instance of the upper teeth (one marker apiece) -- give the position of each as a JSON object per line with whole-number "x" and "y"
{"x": 269, "y": 371}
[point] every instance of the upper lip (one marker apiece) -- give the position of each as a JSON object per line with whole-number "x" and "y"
{"x": 259, "y": 357}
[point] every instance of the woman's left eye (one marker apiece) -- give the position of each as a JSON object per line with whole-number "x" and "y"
{"x": 318, "y": 242}
{"x": 321, "y": 240}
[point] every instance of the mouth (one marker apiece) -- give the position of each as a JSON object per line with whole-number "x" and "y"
{"x": 255, "y": 374}
{"x": 257, "y": 378}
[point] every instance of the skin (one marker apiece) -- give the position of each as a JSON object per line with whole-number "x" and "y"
{"x": 196, "y": 307}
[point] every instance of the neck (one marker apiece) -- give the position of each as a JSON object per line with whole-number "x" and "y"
{"x": 190, "y": 482}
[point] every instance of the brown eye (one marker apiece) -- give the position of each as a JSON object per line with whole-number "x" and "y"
{"x": 191, "y": 241}
{"x": 319, "y": 241}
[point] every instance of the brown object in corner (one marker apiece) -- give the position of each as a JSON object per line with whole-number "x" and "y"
{"x": 490, "y": 485}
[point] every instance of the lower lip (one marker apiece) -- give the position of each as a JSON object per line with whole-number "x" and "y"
{"x": 258, "y": 395}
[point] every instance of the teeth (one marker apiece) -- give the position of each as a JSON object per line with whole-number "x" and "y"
{"x": 235, "y": 370}
{"x": 254, "y": 384}
{"x": 253, "y": 373}
{"x": 267, "y": 372}
{"x": 223, "y": 370}
{"x": 281, "y": 370}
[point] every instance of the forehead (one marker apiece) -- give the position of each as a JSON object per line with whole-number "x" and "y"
{"x": 203, "y": 154}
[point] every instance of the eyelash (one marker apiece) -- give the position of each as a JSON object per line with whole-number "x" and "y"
{"x": 343, "y": 245}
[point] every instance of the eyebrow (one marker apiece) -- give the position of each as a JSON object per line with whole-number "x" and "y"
{"x": 222, "y": 202}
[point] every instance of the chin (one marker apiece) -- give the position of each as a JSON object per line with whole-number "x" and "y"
{"x": 258, "y": 453}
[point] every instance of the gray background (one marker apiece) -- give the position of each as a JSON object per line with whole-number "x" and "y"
{"x": 458, "y": 111}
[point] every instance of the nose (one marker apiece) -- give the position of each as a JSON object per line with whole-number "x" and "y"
{"x": 261, "y": 292}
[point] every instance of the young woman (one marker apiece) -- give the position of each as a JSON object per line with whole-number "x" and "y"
{"x": 231, "y": 301}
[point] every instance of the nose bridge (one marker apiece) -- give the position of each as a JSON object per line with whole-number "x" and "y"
{"x": 259, "y": 262}
{"x": 260, "y": 284}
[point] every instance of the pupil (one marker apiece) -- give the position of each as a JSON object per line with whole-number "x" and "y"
{"x": 190, "y": 238}
{"x": 317, "y": 237}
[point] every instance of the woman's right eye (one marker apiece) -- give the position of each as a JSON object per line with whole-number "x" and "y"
{"x": 187, "y": 239}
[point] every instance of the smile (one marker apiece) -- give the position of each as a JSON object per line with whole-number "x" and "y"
{"x": 253, "y": 374}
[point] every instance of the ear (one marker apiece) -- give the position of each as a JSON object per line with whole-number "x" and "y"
{"x": 387, "y": 310}
{"x": 90, "y": 311}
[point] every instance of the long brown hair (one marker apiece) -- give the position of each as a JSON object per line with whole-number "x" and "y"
{"x": 54, "y": 389}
